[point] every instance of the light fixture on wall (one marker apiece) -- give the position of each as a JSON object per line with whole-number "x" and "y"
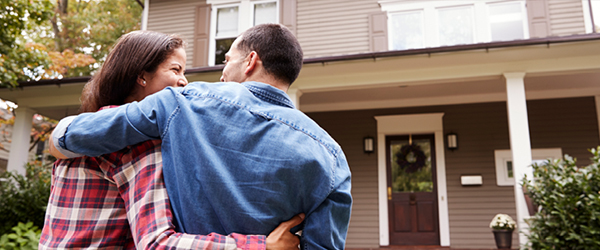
{"x": 452, "y": 140}
{"x": 368, "y": 144}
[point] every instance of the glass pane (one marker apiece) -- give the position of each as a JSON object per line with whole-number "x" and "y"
{"x": 509, "y": 169}
{"x": 456, "y": 25}
{"x": 506, "y": 21}
{"x": 407, "y": 30}
{"x": 265, "y": 13}
{"x": 222, "y": 47}
{"x": 227, "y": 22}
{"x": 411, "y": 166}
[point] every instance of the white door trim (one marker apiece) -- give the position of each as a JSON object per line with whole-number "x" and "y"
{"x": 412, "y": 124}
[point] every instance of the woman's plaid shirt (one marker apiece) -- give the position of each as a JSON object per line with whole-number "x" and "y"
{"x": 119, "y": 201}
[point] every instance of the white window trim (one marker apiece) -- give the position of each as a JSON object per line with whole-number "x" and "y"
{"x": 245, "y": 19}
{"x": 504, "y": 156}
{"x": 481, "y": 32}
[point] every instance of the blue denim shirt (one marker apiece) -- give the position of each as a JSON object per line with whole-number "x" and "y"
{"x": 236, "y": 158}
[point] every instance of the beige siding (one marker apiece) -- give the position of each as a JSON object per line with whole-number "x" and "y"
{"x": 570, "y": 124}
{"x": 566, "y": 17}
{"x": 175, "y": 17}
{"x": 334, "y": 27}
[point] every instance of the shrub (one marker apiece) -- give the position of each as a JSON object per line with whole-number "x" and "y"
{"x": 569, "y": 204}
{"x": 24, "y": 198}
{"x": 25, "y": 237}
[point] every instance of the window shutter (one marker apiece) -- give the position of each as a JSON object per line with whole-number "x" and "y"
{"x": 201, "y": 35}
{"x": 539, "y": 22}
{"x": 378, "y": 40}
{"x": 287, "y": 14}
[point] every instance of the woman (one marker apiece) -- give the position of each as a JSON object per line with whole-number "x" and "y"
{"x": 119, "y": 200}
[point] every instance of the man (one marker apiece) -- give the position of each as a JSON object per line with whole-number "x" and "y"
{"x": 236, "y": 157}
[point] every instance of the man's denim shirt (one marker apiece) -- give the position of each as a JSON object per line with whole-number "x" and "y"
{"x": 236, "y": 158}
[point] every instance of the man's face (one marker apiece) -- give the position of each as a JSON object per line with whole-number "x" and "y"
{"x": 234, "y": 64}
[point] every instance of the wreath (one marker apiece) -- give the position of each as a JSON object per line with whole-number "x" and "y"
{"x": 410, "y": 158}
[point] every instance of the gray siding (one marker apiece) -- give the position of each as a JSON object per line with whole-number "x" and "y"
{"x": 482, "y": 128}
{"x": 334, "y": 27}
{"x": 175, "y": 17}
{"x": 566, "y": 17}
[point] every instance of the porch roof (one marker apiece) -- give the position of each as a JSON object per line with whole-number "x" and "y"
{"x": 57, "y": 98}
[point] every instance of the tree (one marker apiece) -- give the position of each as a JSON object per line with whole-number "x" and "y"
{"x": 81, "y": 33}
{"x": 15, "y": 54}
{"x": 60, "y": 38}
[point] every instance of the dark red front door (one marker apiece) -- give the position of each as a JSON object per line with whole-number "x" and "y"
{"x": 412, "y": 198}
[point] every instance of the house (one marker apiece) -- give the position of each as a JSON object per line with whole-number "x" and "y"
{"x": 439, "y": 106}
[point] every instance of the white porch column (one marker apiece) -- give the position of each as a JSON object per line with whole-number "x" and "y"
{"x": 520, "y": 144}
{"x": 145, "y": 15}
{"x": 19, "y": 147}
{"x": 295, "y": 94}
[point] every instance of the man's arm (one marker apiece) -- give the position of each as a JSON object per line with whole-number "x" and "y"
{"x": 109, "y": 130}
{"x": 327, "y": 226}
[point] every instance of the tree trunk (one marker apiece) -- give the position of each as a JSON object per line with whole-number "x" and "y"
{"x": 62, "y": 9}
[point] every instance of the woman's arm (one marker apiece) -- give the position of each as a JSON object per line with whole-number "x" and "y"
{"x": 140, "y": 183}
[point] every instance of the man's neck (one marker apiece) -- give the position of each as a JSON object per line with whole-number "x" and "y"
{"x": 270, "y": 81}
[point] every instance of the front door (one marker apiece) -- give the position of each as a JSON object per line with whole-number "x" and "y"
{"x": 412, "y": 196}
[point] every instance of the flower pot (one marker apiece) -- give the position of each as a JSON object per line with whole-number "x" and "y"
{"x": 503, "y": 238}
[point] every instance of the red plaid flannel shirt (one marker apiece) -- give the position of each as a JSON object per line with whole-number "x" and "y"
{"x": 119, "y": 201}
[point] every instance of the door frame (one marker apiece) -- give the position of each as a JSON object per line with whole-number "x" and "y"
{"x": 412, "y": 124}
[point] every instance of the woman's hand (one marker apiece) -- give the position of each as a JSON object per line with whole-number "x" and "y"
{"x": 281, "y": 238}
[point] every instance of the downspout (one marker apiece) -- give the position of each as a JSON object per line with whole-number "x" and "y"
{"x": 146, "y": 6}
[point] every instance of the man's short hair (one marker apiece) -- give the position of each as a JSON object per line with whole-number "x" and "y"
{"x": 276, "y": 47}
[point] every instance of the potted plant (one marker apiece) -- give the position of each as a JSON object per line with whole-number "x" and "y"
{"x": 503, "y": 226}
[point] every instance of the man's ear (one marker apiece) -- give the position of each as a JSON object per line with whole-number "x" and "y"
{"x": 252, "y": 62}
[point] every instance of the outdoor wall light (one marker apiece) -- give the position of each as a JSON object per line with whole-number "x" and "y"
{"x": 368, "y": 145}
{"x": 452, "y": 140}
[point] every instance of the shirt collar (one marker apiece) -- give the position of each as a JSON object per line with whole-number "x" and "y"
{"x": 269, "y": 93}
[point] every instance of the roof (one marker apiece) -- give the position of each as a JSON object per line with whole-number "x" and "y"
{"x": 373, "y": 55}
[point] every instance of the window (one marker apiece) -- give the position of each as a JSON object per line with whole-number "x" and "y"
{"x": 229, "y": 20}
{"x": 504, "y": 167}
{"x": 455, "y": 25}
{"x": 409, "y": 30}
{"x": 421, "y": 24}
{"x": 506, "y": 21}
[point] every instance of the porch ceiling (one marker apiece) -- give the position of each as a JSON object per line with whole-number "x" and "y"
{"x": 54, "y": 101}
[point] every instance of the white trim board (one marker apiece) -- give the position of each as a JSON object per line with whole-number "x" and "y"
{"x": 412, "y": 124}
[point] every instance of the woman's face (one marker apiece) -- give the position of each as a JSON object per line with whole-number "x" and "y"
{"x": 169, "y": 73}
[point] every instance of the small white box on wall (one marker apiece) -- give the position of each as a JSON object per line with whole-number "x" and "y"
{"x": 471, "y": 180}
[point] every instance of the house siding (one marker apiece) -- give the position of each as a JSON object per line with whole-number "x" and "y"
{"x": 566, "y": 17}
{"x": 175, "y": 18}
{"x": 482, "y": 128}
{"x": 333, "y": 27}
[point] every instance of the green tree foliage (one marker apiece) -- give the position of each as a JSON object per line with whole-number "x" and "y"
{"x": 81, "y": 32}
{"x": 24, "y": 198}
{"x": 60, "y": 38}
{"x": 15, "y": 54}
{"x": 569, "y": 204}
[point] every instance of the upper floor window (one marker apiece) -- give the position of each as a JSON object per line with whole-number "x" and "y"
{"x": 230, "y": 19}
{"x": 420, "y": 24}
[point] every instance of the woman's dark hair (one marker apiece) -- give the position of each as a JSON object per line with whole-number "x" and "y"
{"x": 277, "y": 48}
{"x": 133, "y": 54}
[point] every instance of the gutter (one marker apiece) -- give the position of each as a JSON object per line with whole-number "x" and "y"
{"x": 371, "y": 55}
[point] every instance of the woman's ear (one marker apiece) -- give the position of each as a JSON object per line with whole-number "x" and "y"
{"x": 141, "y": 80}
